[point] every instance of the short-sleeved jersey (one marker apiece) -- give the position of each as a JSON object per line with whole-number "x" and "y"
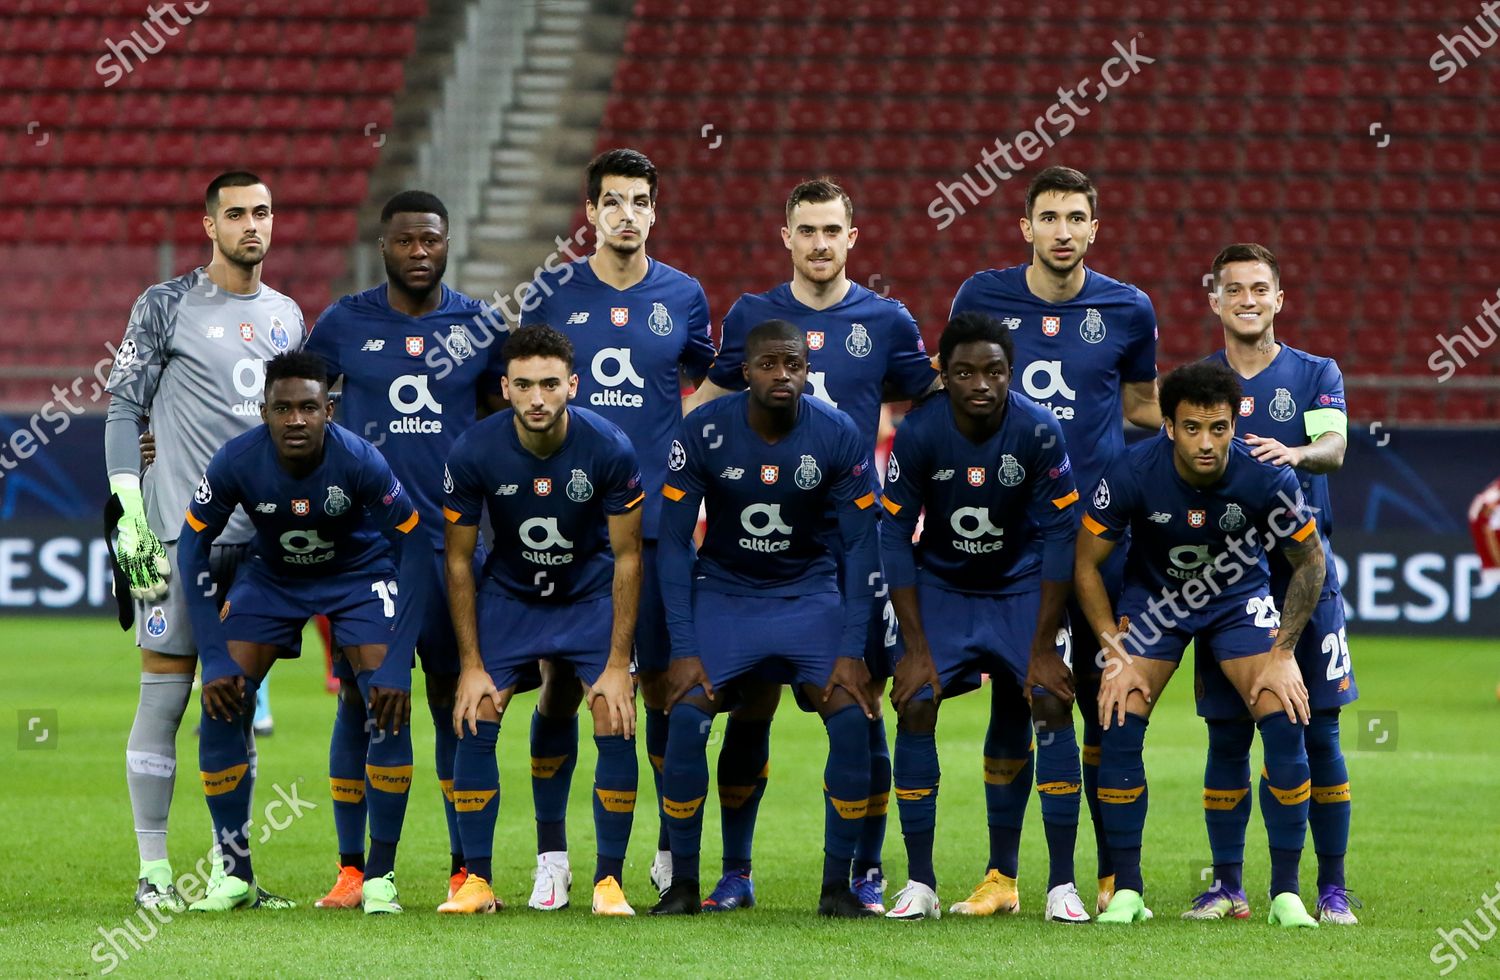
{"x": 771, "y": 508}
{"x": 1294, "y": 400}
{"x": 409, "y": 382}
{"x": 855, "y": 349}
{"x": 990, "y": 506}
{"x": 549, "y": 516}
{"x": 628, "y": 347}
{"x": 1072, "y": 357}
{"x": 1179, "y": 532}
{"x": 327, "y": 522}
{"x": 194, "y": 357}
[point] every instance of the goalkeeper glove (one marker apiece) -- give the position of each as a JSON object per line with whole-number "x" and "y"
{"x": 138, "y": 551}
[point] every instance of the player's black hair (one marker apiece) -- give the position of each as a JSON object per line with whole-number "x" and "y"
{"x": 1247, "y": 252}
{"x": 818, "y": 191}
{"x": 296, "y": 364}
{"x": 622, "y": 162}
{"x": 1206, "y": 384}
{"x": 538, "y": 340}
{"x": 1063, "y": 180}
{"x": 413, "y": 202}
{"x": 772, "y": 330}
{"x": 971, "y": 326}
{"x": 230, "y": 178}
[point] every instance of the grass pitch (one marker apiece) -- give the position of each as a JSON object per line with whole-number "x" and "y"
{"x": 1425, "y": 848}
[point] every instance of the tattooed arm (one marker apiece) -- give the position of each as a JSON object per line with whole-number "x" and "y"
{"x": 1306, "y": 558}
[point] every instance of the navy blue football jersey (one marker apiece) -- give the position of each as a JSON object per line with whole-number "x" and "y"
{"x": 1294, "y": 400}
{"x": 549, "y": 517}
{"x": 855, "y": 349}
{"x": 335, "y": 519}
{"x": 999, "y": 514}
{"x": 1072, "y": 357}
{"x": 629, "y": 345}
{"x": 410, "y": 383}
{"x": 774, "y": 512}
{"x": 1179, "y": 532}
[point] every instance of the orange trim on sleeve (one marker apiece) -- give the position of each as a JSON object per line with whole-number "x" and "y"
{"x": 453, "y": 516}
{"x": 1093, "y": 525}
{"x": 865, "y": 502}
{"x": 193, "y": 521}
{"x": 636, "y": 500}
{"x": 891, "y": 506}
{"x": 1062, "y": 502}
{"x": 671, "y": 492}
{"x": 405, "y": 526}
{"x": 1308, "y": 528}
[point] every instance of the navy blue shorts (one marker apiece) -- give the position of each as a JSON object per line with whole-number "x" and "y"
{"x": 653, "y": 646}
{"x": 437, "y": 647}
{"x": 515, "y": 634}
{"x": 1322, "y": 653}
{"x": 1233, "y": 628}
{"x": 359, "y": 604}
{"x": 972, "y": 635}
{"x": 788, "y": 639}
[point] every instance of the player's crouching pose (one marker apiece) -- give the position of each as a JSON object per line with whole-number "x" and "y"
{"x": 563, "y": 583}
{"x": 984, "y": 592}
{"x": 1201, "y": 512}
{"x": 772, "y": 469}
{"x": 321, "y": 499}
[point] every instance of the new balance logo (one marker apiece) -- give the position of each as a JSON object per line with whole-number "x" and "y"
{"x": 943, "y": 475}
{"x": 1160, "y": 517}
{"x": 373, "y": 345}
{"x": 575, "y": 319}
{"x": 507, "y": 489}
{"x": 731, "y": 473}
{"x": 214, "y": 333}
{"x": 265, "y": 508}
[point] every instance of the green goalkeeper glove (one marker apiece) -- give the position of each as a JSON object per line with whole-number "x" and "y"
{"x": 138, "y": 551}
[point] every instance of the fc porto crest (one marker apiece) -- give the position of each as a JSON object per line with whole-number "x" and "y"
{"x": 815, "y": 340}
{"x": 541, "y": 486}
{"x": 858, "y": 342}
{"x": 336, "y": 502}
{"x": 247, "y": 332}
{"x": 415, "y": 346}
{"x": 1233, "y": 518}
{"x": 157, "y": 624}
{"x": 1247, "y": 406}
{"x": 1051, "y": 325}
{"x": 976, "y": 476}
{"x": 458, "y": 343}
{"x": 579, "y": 488}
{"x": 1197, "y": 518}
{"x": 660, "y": 320}
{"x": 1092, "y": 327}
{"x": 280, "y": 339}
{"x": 1282, "y": 406}
{"x": 619, "y": 315}
{"x": 301, "y": 507}
{"x": 808, "y": 474}
{"x": 769, "y": 474}
{"x": 1011, "y": 472}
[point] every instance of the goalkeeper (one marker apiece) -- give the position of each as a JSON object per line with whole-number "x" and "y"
{"x": 192, "y": 361}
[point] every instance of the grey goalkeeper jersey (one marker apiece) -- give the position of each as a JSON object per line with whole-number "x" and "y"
{"x": 193, "y": 359}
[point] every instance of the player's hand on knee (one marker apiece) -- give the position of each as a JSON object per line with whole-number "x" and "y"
{"x": 617, "y": 688}
{"x": 1047, "y": 671}
{"x": 474, "y": 685}
{"x": 913, "y": 672}
{"x": 684, "y": 674}
{"x": 1283, "y": 678}
{"x": 224, "y": 698}
{"x": 852, "y": 675}
{"x": 391, "y": 709}
{"x": 1120, "y": 679}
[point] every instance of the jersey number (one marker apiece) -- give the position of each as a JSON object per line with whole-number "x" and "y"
{"x": 1336, "y": 645}
{"x": 1263, "y": 608}
{"x": 387, "y": 593}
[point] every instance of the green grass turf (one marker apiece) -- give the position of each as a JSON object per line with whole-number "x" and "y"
{"x": 1423, "y": 853}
